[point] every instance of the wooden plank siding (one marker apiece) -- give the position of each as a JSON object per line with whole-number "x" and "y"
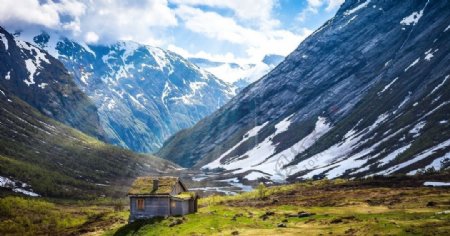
{"x": 153, "y": 206}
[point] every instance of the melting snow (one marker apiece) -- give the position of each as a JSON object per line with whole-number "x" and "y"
{"x": 388, "y": 86}
{"x": 254, "y": 175}
{"x": 412, "y": 19}
{"x": 440, "y": 85}
{"x": 446, "y": 29}
{"x": 436, "y": 164}
{"x": 391, "y": 156}
{"x": 417, "y": 158}
{"x": 357, "y": 8}
{"x": 251, "y": 133}
{"x": 42, "y": 85}
{"x": 348, "y": 22}
{"x": 417, "y": 128}
{"x": 338, "y": 152}
{"x": 4, "y": 40}
{"x": 412, "y": 64}
{"x": 405, "y": 100}
{"x": 8, "y": 183}
{"x": 429, "y": 54}
{"x": 436, "y": 184}
{"x": 196, "y": 86}
{"x": 161, "y": 59}
{"x": 253, "y": 158}
{"x": 32, "y": 64}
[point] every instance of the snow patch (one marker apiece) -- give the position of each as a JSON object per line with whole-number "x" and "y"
{"x": 4, "y": 40}
{"x": 391, "y": 156}
{"x": 417, "y": 128}
{"x": 436, "y": 164}
{"x": 254, "y": 175}
{"x": 32, "y": 64}
{"x": 388, "y": 86}
{"x": 436, "y": 184}
{"x": 357, "y": 8}
{"x": 440, "y": 85}
{"x": 8, "y": 183}
{"x": 429, "y": 54}
{"x": 417, "y": 158}
{"x": 412, "y": 19}
{"x": 42, "y": 85}
{"x": 8, "y": 75}
{"x": 412, "y": 64}
{"x": 446, "y": 29}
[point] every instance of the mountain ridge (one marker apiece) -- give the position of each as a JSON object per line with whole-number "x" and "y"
{"x": 340, "y": 87}
{"x": 143, "y": 94}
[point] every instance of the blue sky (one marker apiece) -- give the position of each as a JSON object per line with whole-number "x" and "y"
{"x": 224, "y": 30}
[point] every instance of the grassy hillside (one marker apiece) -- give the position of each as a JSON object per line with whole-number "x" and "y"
{"x": 384, "y": 206}
{"x": 55, "y": 160}
{"x": 337, "y": 207}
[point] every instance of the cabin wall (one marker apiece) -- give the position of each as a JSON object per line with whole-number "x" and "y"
{"x": 193, "y": 205}
{"x": 179, "y": 207}
{"x": 153, "y": 206}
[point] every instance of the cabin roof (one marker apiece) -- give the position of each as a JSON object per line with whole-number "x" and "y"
{"x": 144, "y": 185}
{"x": 186, "y": 195}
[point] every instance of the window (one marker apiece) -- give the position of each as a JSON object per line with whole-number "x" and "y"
{"x": 140, "y": 203}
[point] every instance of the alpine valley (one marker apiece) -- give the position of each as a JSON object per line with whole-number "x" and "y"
{"x": 349, "y": 134}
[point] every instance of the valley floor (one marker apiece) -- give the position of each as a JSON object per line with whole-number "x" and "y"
{"x": 385, "y": 206}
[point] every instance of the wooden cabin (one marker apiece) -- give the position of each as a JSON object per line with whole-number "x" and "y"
{"x": 160, "y": 196}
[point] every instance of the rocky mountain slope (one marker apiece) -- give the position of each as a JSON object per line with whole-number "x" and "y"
{"x": 39, "y": 79}
{"x": 367, "y": 94}
{"x": 143, "y": 94}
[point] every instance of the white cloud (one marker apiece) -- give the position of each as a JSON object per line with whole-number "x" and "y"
{"x": 131, "y": 20}
{"x": 227, "y": 57}
{"x": 91, "y": 37}
{"x": 110, "y": 20}
{"x": 258, "y": 42}
{"x": 31, "y": 12}
{"x": 314, "y": 6}
{"x": 251, "y": 26}
{"x": 257, "y": 11}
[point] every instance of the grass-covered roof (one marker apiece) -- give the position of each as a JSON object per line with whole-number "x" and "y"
{"x": 144, "y": 185}
{"x": 186, "y": 195}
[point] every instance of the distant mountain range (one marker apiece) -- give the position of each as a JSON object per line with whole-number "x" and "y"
{"x": 368, "y": 93}
{"x": 241, "y": 74}
{"x": 143, "y": 94}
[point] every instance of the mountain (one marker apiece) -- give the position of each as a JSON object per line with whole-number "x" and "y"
{"x": 143, "y": 94}
{"x": 40, "y": 156}
{"x": 240, "y": 73}
{"x": 367, "y": 93}
{"x": 39, "y": 79}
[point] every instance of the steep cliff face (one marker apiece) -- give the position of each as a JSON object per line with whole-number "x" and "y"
{"x": 367, "y": 93}
{"x": 143, "y": 94}
{"x": 39, "y": 79}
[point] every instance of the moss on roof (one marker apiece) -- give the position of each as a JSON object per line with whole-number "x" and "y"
{"x": 186, "y": 195}
{"x": 144, "y": 185}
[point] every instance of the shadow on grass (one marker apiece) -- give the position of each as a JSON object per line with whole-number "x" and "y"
{"x": 132, "y": 228}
